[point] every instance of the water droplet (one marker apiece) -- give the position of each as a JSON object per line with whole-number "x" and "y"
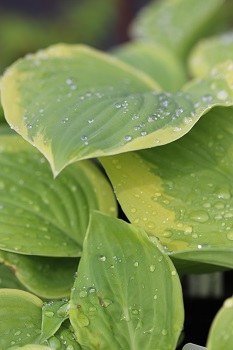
{"x": 69, "y": 81}
{"x": 230, "y": 235}
{"x": 62, "y": 311}
{"x": 49, "y": 314}
{"x": 173, "y": 273}
{"x": 102, "y": 258}
{"x": 155, "y": 297}
{"x": 167, "y": 234}
{"x": 152, "y": 268}
{"x": 177, "y": 129}
{"x": 164, "y": 331}
{"x": 70, "y": 347}
{"x": 188, "y": 230}
{"x": 160, "y": 258}
{"x": 106, "y": 302}
{"x": 118, "y": 105}
{"x": 222, "y": 193}
{"x": 135, "y": 312}
{"x": 199, "y": 216}
{"x": 83, "y": 294}
{"x": 17, "y": 333}
{"x": 222, "y": 95}
{"x": 128, "y": 138}
{"x": 133, "y": 210}
{"x": 92, "y": 309}
{"x": 136, "y": 264}
{"x": 90, "y": 121}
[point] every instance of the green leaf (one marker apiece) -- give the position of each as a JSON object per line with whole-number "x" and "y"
{"x": 221, "y": 335}
{"x": 64, "y": 339}
{"x": 8, "y": 279}
{"x": 176, "y": 24}
{"x": 210, "y": 52}
{"x": 54, "y": 314}
{"x": 43, "y": 216}
{"x": 127, "y": 294}
{"x": 182, "y": 192}
{"x": 50, "y": 278}
{"x": 155, "y": 60}
{"x": 20, "y": 318}
{"x": 98, "y": 94}
{"x": 74, "y": 91}
{"x": 35, "y": 347}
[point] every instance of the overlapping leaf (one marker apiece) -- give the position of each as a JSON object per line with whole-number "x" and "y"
{"x": 50, "y": 278}
{"x": 209, "y": 52}
{"x": 155, "y": 60}
{"x": 127, "y": 294}
{"x": 20, "y": 318}
{"x": 35, "y": 347}
{"x": 221, "y": 332}
{"x": 74, "y": 95}
{"x": 182, "y": 192}
{"x": 69, "y": 106}
{"x": 8, "y": 279}
{"x": 64, "y": 338}
{"x": 43, "y": 216}
{"x": 175, "y": 24}
{"x": 54, "y": 314}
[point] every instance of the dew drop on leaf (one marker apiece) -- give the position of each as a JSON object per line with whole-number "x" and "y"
{"x": 49, "y": 314}
{"x": 199, "y": 216}
{"x": 128, "y": 138}
{"x": 70, "y": 347}
{"x": 222, "y": 95}
{"x": 152, "y": 268}
{"x": 102, "y": 258}
{"x": 135, "y": 312}
{"x": 17, "y": 333}
{"x": 230, "y": 235}
{"x": 83, "y": 294}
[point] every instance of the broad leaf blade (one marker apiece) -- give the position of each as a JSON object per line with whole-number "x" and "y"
{"x": 50, "y": 278}
{"x": 210, "y": 52}
{"x": 221, "y": 336}
{"x": 127, "y": 294}
{"x": 116, "y": 97}
{"x": 175, "y": 24}
{"x": 54, "y": 314}
{"x": 156, "y": 61}
{"x": 8, "y": 279}
{"x": 43, "y": 216}
{"x": 74, "y": 91}
{"x": 182, "y": 192}
{"x": 35, "y": 347}
{"x": 64, "y": 339}
{"x": 20, "y": 318}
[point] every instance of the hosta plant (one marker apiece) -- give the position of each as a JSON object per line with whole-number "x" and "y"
{"x": 146, "y": 127}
